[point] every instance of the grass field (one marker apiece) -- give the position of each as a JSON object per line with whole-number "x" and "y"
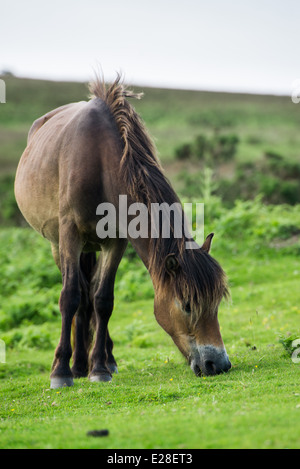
{"x": 155, "y": 401}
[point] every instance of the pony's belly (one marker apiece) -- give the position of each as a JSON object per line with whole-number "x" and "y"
{"x": 37, "y": 198}
{"x": 91, "y": 247}
{"x": 50, "y": 230}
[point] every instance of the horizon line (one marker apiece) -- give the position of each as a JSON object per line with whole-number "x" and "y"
{"x": 10, "y": 74}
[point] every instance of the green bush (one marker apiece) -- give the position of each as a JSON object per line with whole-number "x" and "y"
{"x": 201, "y": 146}
{"x": 277, "y": 180}
{"x": 215, "y": 149}
{"x": 282, "y": 167}
{"x": 223, "y": 147}
{"x": 183, "y": 152}
{"x": 256, "y": 225}
{"x": 9, "y": 210}
{"x": 34, "y": 337}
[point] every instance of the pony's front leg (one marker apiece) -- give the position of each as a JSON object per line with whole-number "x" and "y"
{"x": 111, "y": 362}
{"x": 102, "y": 360}
{"x": 69, "y": 249}
{"x": 103, "y": 307}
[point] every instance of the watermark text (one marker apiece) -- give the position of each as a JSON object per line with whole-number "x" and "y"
{"x": 296, "y": 352}
{"x": 162, "y": 220}
{"x": 2, "y": 91}
{"x": 2, "y": 352}
{"x": 295, "y": 96}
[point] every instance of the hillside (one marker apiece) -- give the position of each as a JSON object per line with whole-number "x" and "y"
{"x": 265, "y": 129}
{"x": 263, "y": 123}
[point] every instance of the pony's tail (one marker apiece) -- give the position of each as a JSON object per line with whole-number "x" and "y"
{"x": 139, "y": 153}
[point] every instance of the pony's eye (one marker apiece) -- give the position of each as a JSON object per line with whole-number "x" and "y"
{"x": 187, "y": 307}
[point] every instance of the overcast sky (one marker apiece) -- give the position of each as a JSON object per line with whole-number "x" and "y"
{"x": 224, "y": 45}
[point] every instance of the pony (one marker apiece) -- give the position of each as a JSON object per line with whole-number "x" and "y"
{"x": 87, "y": 153}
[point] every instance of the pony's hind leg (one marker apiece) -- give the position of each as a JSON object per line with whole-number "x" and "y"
{"x": 70, "y": 247}
{"x": 81, "y": 337}
{"x": 111, "y": 362}
{"x": 102, "y": 360}
{"x": 81, "y": 330}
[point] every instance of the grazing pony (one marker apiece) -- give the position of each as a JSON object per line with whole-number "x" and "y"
{"x": 84, "y": 154}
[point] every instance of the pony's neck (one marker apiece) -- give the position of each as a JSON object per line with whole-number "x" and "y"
{"x": 142, "y": 248}
{"x": 167, "y": 233}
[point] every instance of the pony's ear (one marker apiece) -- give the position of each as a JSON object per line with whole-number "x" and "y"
{"x": 207, "y": 243}
{"x": 171, "y": 264}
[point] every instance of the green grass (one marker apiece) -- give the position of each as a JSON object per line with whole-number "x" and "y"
{"x": 155, "y": 401}
{"x": 254, "y": 406}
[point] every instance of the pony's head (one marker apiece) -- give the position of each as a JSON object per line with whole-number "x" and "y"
{"x": 187, "y": 296}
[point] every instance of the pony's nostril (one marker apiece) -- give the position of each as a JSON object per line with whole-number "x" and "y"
{"x": 228, "y": 366}
{"x": 210, "y": 367}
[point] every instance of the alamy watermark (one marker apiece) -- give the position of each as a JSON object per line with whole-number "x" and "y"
{"x": 2, "y": 91}
{"x": 296, "y": 352}
{"x": 2, "y": 352}
{"x": 295, "y": 96}
{"x": 164, "y": 220}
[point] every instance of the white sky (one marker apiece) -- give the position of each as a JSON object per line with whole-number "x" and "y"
{"x": 225, "y": 45}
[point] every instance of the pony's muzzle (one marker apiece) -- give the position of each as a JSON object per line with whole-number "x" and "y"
{"x": 209, "y": 360}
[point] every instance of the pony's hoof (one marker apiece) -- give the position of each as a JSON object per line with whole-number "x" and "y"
{"x": 59, "y": 382}
{"x": 101, "y": 378}
{"x": 112, "y": 368}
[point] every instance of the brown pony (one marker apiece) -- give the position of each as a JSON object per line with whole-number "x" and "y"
{"x": 77, "y": 157}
